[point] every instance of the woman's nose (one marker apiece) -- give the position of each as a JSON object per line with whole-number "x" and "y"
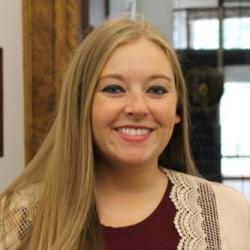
{"x": 136, "y": 106}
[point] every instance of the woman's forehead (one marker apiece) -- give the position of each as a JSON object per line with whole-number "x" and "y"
{"x": 137, "y": 54}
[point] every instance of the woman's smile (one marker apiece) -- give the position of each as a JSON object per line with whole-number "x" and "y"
{"x": 132, "y": 133}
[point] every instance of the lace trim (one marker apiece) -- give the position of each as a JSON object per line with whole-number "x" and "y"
{"x": 210, "y": 224}
{"x": 188, "y": 220}
{"x": 196, "y": 218}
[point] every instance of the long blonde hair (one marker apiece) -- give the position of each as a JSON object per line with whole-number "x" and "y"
{"x": 66, "y": 216}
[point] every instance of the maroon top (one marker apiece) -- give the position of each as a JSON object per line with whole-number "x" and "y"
{"x": 157, "y": 231}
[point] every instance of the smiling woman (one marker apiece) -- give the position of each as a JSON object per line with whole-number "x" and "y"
{"x": 134, "y": 106}
{"x": 115, "y": 171}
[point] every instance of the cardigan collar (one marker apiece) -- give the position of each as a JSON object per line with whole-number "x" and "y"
{"x": 196, "y": 219}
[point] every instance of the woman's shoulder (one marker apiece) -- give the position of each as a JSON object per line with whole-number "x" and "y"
{"x": 23, "y": 196}
{"x": 220, "y": 191}
{"x": 16, "y": 214}
{"x": 210, "y": 196}
{"x": 213, "y": 208}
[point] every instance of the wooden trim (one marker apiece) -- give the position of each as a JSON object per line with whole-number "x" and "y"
{"x": 236, "y": 178}
{"x": 38, "y": 71}
{"x": 51, "y": 30}
{"x": 67, "y": 23}
{"x": 192, "y": 58}
{"x": 84, "y": 13}
{"x": 107, "y": 8}
{"x": 27, "y": 76}
{"x": 84, "y": 19}
{"x": 211, "y": 9}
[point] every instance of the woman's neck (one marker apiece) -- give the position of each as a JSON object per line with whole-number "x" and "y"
{"x": 129, "y": 178}
{"x": 128, "y": 194}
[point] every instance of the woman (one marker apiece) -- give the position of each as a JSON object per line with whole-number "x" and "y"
{"x": 102, "y": 179}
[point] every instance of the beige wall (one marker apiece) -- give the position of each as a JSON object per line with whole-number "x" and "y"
{"x": 159, "y": 12}
{"x": 11, "y": 164}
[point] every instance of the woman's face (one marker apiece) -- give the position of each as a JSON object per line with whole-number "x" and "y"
{"x": 134, "y": 106}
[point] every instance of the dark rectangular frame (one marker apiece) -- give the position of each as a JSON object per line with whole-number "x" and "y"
{"x": 1, "y": 102}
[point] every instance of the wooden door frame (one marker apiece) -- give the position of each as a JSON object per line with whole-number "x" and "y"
{"x": 50, "y": 35}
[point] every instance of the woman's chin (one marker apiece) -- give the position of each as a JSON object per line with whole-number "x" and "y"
{"x": 134, "y": 160}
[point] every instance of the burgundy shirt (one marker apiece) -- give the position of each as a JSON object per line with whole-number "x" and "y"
{"x": 156, "y": 232}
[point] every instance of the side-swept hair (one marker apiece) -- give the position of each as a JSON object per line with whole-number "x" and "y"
{"x": 66, "y": 216}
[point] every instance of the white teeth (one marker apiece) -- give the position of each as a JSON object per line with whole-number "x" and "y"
{"x": 133, "y": 131}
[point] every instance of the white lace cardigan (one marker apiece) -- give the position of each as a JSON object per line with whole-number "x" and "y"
{"x": 209, "y": 216}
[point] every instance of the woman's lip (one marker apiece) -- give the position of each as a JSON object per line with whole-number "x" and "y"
{"x": 134, "y": 126}
{"x": 134, "y": 137}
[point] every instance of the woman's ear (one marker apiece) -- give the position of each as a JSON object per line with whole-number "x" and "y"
{"x": 177, "y": 119}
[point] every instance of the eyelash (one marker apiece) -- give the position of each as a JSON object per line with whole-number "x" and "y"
{"x": 157, "y": 90}
{"x": 113, "y": 89}
{"x": 116, "y": 89}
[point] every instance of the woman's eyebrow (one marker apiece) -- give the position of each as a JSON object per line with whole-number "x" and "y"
{"x": 116, "y": 76}
{"x": 150, "y": 77}
{"x": 164, "y": 76}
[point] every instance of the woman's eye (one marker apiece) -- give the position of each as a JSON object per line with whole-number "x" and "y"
{"x": 113, "y": 89}
{"x": 157, "y": 90}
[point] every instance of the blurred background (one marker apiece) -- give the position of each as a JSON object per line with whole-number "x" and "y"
{"x": 211, "y": 37}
